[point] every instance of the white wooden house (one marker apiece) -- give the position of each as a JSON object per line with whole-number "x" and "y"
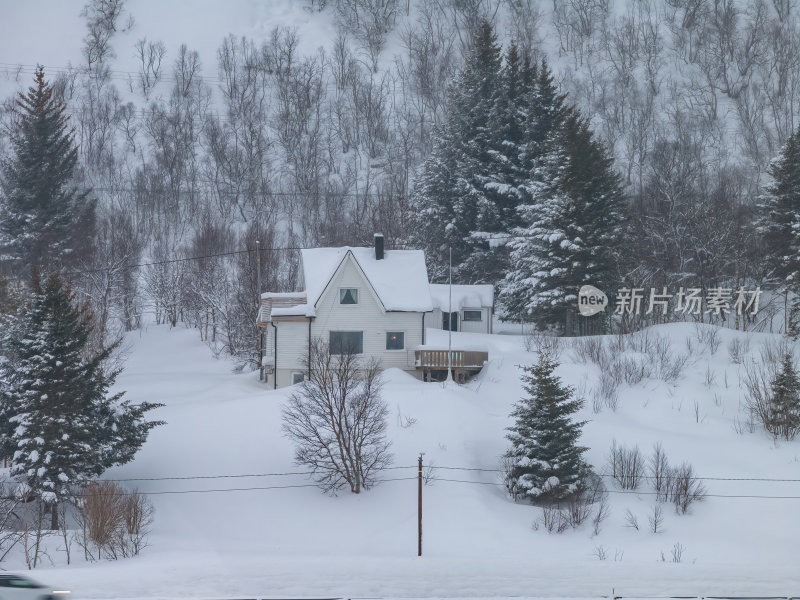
{"x": 462, "y": 307}
{"x": 374, "y": 301}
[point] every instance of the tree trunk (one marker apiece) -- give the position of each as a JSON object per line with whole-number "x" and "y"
{"x": 54, "y": 516}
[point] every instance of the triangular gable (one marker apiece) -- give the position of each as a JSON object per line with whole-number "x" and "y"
{"x": 363, "y": 276}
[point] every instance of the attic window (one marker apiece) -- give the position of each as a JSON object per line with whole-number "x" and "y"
{"x": 348, "y": 296}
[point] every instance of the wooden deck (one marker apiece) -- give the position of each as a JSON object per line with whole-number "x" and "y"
{"x": 460, "y": 359}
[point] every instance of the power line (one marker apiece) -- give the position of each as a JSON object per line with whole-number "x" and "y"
{"x": 764, "y": 497}
{"x": 235, "y": 476}
{"x": 432, "y": 467}
{"x": 202, "y": 257}
{"x": 245, "y": 489}
{"x": 639, "y": 476}
{"x": 321, "y": 194}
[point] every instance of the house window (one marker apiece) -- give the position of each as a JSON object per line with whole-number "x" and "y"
{"x": 298, "y": 377}
{"x": 395, "y": 340}
{"x": 450, "y": 321}
{"x": 348, "y": 296}
{"x": 347, "y": 342}
{"x": 473, "y": 315}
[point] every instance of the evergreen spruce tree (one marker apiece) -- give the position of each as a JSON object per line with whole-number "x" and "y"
{"x": 573, "y": 219}
{"x": 508, "y": 125}
{"x": 784, "y": 407}
{"x": 43, "y": 219}
{"x": 779, "y": 223}
{"x": 547, "y": 463}
{"x": 64, "y": 427}
{"x": 450, "y": 196}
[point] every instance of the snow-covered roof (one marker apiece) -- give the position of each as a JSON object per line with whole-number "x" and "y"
{"x": 279, "y": 304}
{"x": 400, "y": 279}
{"x": 464, "y": 296}
{"x": 291, "y": 295}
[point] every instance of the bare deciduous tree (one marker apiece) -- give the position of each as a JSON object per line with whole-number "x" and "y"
{"x": 112, "y": 522}
{"x": 337, "y": 420}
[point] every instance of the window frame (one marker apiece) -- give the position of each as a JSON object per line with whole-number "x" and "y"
{"x": 453, "y": 315}
{"x": 403, "y": 336}
{"x": 294, "y": 377}
{"x": 331, "y": 344}
{"x": 472, "y": 310}
{"x": 358, "y": 296}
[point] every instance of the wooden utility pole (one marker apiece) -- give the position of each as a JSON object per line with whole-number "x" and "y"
{"x": 259, "y": 335}
{"x": 419, "y": 507}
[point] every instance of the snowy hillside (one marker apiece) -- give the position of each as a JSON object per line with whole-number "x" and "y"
{"x": 269, "y": 538}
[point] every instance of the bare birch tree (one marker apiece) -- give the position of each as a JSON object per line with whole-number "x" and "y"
{"x": 337, "y": 419}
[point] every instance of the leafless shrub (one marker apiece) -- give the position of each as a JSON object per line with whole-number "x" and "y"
{"x": 640, "y": 341}
{"x": 741, "y": 428}
{"x": 772, "y": 352}
{"x": 691, "y": 348}
{"x": 404, "y": 421}
{"x": 137, "y": 513}
{"x": 684, "y": 488}
{"x": 677, "y": 552}
{"x": 606, "y": 391}
{"x": 600, "y": 552}
{"x": 9, "y": 520}
{"x": 659, "y": 472}
{"x": 710, "y": 377}
{"x": 760, "y": 398}
{"x": 591, "y": 349}
{"x": 337, "y": 420}
{"x": 656, "y": 519}
{"x": 112, "y": 522}
{"x": 631, "y": 520}
{"x": 597, "y": 402}
{"x": 554, "y": 519}
{"x": 602, "y": 511}
{"x": 633, "y": 370}
{"x": 626, "y": 465}
{"x": 578, "y": 510}
{"x": 738, "y": 349}
{"x": 543, "y": 343}
{"x": 508, "y": 466}
{"x": 708, "y": 336}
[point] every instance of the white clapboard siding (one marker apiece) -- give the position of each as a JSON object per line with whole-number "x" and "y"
{"x": 366, "y": 316}
{"x": 481, "y": 326}
{"x": 292, "y": 344}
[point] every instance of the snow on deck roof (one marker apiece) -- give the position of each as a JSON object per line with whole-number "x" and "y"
{"x": 400, "y": 279}
{"x": 267, "y": 295}
{"x": 464, "y": 296}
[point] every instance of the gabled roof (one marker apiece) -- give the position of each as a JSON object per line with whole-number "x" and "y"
{"x": 400, "y": 279}
{"x": 464, "y": 296}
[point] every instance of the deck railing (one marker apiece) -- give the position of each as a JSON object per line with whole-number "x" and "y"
{"x": 460, "y": 359}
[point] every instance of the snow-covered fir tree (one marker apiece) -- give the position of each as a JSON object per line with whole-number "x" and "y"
{"x": 43, "y": 218}
{"x": 511, "y": 113}
{"x": 784, "y": 406}
{"x": 64, "y": 425}
{"x": 779, "y": 223}
{"x": 546, "y": 460}
{"x": 450, "y": 196}
{"x": 573, "y": 216}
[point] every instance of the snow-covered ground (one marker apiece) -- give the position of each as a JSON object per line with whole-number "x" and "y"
{"x": 297, "y": 541}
